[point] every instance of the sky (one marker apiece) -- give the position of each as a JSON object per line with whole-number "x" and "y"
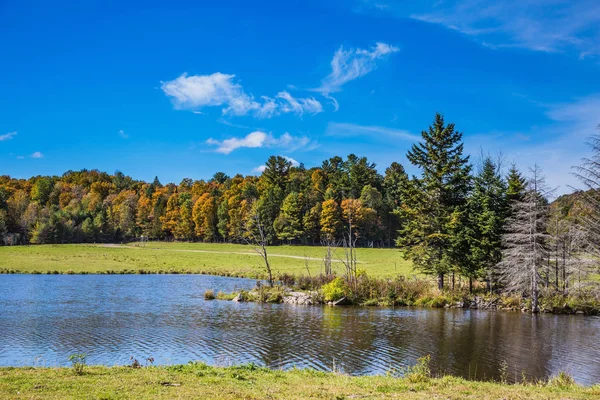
{"x": 186, "y": 89}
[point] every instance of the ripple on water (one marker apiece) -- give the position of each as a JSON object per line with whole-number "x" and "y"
{"x": 112, "y": 318}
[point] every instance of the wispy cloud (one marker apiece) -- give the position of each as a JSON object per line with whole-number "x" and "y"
{"x": 351, "y": 64}
{"x": 260, "y": 169}
{"x": 37, "y": 154}
{"x": 348, "y": 129}
{"x": 539, "y": 25}
{"x": 556, "y": 145}
{"x": 221, "y": 90}
{"x": 8, "y": 136}
{"x": 260, "y": 139}
{"x": 123, "y": 134}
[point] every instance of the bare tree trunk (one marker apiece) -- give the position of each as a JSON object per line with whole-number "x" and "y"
{"x": 256, "y": 236}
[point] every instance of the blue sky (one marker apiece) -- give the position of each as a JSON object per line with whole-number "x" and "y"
{"x": 190, "y": 88}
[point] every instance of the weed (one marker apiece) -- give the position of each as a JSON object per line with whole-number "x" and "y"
{"x": 78, "y": 362}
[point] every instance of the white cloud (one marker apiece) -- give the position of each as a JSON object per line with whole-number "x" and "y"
{"x": 350, "y": 64}
{"x": 20, "y": 157}
{"x": 348, "y": 129}
{"x": 539, "y": 25}
{"x": 123, "y": 134}
{"x": 37, "y": 154}
{"x": 260, "y": 139}
{"x": 294, "y": 162}
{"x": 299, "y": 106}
{"x": 260, "y": 168}
{"x": 221, "y": 90}
{"x": 7, "y": 136}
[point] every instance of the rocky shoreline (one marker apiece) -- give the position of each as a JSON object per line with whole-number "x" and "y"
{"x": 312, "y": 298}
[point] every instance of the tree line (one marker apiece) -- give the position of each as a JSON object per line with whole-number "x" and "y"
{"x": 452, "y": 219}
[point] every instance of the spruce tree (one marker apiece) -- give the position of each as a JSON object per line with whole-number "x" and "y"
{"x": 431, "y": 202}
{"x": 487, "y": 213}
{"x": 516, "y": 185}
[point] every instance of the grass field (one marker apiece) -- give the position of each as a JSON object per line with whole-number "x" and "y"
{"x": 203, "y": 382}
{"x": 219, "y": 259}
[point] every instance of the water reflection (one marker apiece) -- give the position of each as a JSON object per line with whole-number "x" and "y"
{"x": 111, "y": 318}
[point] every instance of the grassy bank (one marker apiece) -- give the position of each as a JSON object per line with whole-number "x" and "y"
{"x": 251, "y": 382}
{"x": 216, "y": 259}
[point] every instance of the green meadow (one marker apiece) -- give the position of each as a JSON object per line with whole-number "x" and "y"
{"x": 217, "y": 259}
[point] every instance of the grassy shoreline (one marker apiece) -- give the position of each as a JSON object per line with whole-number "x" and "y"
{"x": 197, "y": 380}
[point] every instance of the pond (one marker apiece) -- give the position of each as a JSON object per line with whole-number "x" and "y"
{"x": 110, "y": 318}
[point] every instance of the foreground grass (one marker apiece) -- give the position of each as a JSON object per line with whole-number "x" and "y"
{"x": 250, "y": 382}
{"x": 216, "y": 259}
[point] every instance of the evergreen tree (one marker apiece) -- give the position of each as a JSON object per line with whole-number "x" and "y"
{"x": 312, "y": 224}
{"x": 277, "y": 170}
{"x": 486, "y": 216}
{"x": 431, "y": 202}
{"x": 516, "y": 185}
{"x": 288, "y": 224}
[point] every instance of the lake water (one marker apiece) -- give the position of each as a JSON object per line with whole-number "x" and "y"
{"x": 45, "y": 318}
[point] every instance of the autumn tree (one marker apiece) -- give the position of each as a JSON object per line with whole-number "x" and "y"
{"x": 205, "y": 217}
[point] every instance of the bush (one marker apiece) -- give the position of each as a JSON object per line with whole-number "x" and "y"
{"x": 78, "y": 363}
{"x": 287, "y": 279}
{"x": 209, "y": 294}
{"x": 334, "y": 290}
{"x": 420, "y": 372}
{"x": 562, "y": 381}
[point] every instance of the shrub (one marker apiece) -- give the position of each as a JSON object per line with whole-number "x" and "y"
{"x": 78, "y": 363}
{"x": 287, "y": 279}
{"x": 562, "y": 381}
{"x": 420, "y": 372}
{"x": 209, "y": 294}
{"x": 334, "y": 290}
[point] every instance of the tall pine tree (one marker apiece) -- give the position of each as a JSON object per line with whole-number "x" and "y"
{"x": 432, "y": 202}
{"x": 487, "y": 213}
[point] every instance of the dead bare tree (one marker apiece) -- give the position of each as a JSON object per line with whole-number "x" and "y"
{"x": 255, "y": 235}
{"x": 349, "y": 240}
{"x": 588, "y": 174}
{"x": 330, "y": 245}
{"x": 525, "y": 243}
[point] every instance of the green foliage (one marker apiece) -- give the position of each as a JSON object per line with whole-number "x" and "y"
{"x": 487, "y": 211}
{"x": 433, "y": 204}
{"x": 420, "y": 372}
{"x": 78, "y": 362}
{"x": 334, "y": 290}
{"x": 288, "y": 225}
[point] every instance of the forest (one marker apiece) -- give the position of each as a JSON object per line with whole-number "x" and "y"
{"x": 478, "y": 220}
